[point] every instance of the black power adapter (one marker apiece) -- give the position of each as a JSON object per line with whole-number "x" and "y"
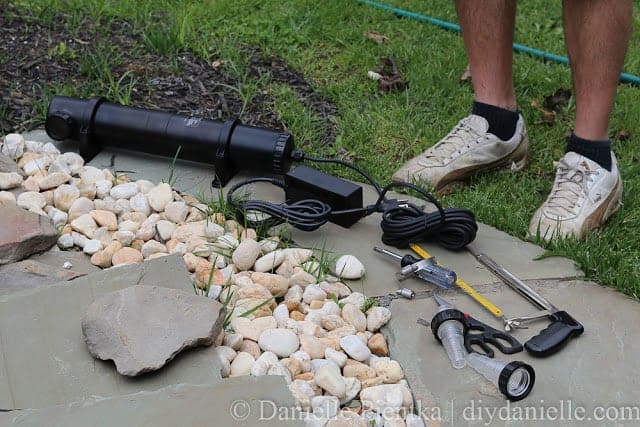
{"x": 304, "y": 182}
{"x": 314, "y": 198}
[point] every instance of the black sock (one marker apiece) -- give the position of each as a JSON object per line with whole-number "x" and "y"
{"x": 598, "y": 151}
{"x": 502, "y": 122}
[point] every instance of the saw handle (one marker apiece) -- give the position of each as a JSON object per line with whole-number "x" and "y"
{"x": 551, "y": 339}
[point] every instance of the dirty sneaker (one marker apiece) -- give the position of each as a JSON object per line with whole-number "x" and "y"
{"x": 583, "y": 197}
{"x": 466, "y": 150}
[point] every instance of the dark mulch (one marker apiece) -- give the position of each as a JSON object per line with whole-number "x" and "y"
{"x": 37, "y": 60}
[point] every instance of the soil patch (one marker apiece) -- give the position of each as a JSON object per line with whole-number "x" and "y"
{"x": 38, "y": 61}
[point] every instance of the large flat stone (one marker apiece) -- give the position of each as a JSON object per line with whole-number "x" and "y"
{"x": 43, "y": 357}
{"x": 241, "y": 401}
{"x": 24, "y": 233}
{"x": 141, "y": 328}
{"x": 29, "y": 274}
{"x": 600, "y": 368}
{"x": 56, "y": 258}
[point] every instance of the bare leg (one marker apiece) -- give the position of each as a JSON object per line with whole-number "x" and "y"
{"x": 597, "y": 35}
{"x": 487, "y": 30}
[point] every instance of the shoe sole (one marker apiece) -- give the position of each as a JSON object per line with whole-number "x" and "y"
{"x": 604, "y": 211}
{"x": 516, "y": 161}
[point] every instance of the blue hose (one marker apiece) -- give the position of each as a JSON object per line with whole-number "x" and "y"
{"x": 624, "y": 77}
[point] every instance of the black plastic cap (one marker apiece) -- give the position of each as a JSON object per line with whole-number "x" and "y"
{"x": 282, "y": 148}
{"x": 449, "y": 314}
{"x": 506, "y": 373}
{"x": 60, "y": 125}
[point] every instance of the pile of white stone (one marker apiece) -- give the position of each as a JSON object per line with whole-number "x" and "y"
{"x": 282, "y": 319}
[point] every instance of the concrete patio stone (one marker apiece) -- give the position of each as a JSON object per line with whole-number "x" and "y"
{"x": 43, "y": 357}
{"x": 598, "y": 369}
{"x": 56, "y": 258}
{"x": 247, "y": 401}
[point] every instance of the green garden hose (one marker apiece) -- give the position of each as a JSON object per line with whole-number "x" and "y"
{"x": 547, "y": 56}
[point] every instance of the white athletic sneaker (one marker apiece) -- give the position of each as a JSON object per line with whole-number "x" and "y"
{"x": 583, "y": 197}
{"x": 466, "y": 150}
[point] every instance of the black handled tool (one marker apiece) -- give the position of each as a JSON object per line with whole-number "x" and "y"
{"x": 489, "y": 335}
{"x": 563, "y": 327}
{"x": 484, "y": 336}
{"x": 551, "y": 339}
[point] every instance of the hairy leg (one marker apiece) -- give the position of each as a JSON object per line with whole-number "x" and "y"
{"x": 487, "y": 30}
{"x": 597, "y": 35}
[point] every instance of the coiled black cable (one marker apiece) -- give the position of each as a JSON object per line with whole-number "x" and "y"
{"x": 401, "y": 224}
{"x": 306, "y": 215}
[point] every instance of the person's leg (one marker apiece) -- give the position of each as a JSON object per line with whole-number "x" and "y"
{"x": 487, "y": 31}
{"x": 588, "y": 189}
{"x": 494, "y": 135}
{"x": 597, "y": 35}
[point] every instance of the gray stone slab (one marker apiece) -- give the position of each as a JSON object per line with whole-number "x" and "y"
{"x": 24, "y": 233}
{"x": 246, "y": 401}
{"x": 30, "y": 274}
{"x": 600, "y": 368}
{"x": 56, "y": 258}
{"x": 7, "y": 164}
{"x": 44, "y": 360}
{"x": 358, "y": 240}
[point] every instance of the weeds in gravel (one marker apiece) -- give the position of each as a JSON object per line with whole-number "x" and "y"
{"x": 227, "y": 300}
{"x": 215, "y": 201}
{"x": 335, "y": 299}
{"x": 368, "y": 303}
{"x": 257, "y": 307}
{"x": 323, "y": 263}
{"x": 228, "y": 296}
{"x": 171, "y": 179}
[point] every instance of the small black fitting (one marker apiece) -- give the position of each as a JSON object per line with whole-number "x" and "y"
{"x": 506, "y": 373}
{"x": 445, "y": 315}
{"x": 297, "y": 155}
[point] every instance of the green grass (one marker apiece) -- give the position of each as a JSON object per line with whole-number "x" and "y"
{"x": 325, "y": 41}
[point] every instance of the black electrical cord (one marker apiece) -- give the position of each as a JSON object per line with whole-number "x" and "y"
{"x": 300, "y": 156}
{"x": 402, "y": 223}
{"x": 306, "y": 215}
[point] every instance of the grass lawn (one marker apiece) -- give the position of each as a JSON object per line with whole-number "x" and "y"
{"x": 325, "y": 41}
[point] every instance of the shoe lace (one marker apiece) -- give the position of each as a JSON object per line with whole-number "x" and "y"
{"x": 459, "y": 139}
{"x": 570, "y": 188}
